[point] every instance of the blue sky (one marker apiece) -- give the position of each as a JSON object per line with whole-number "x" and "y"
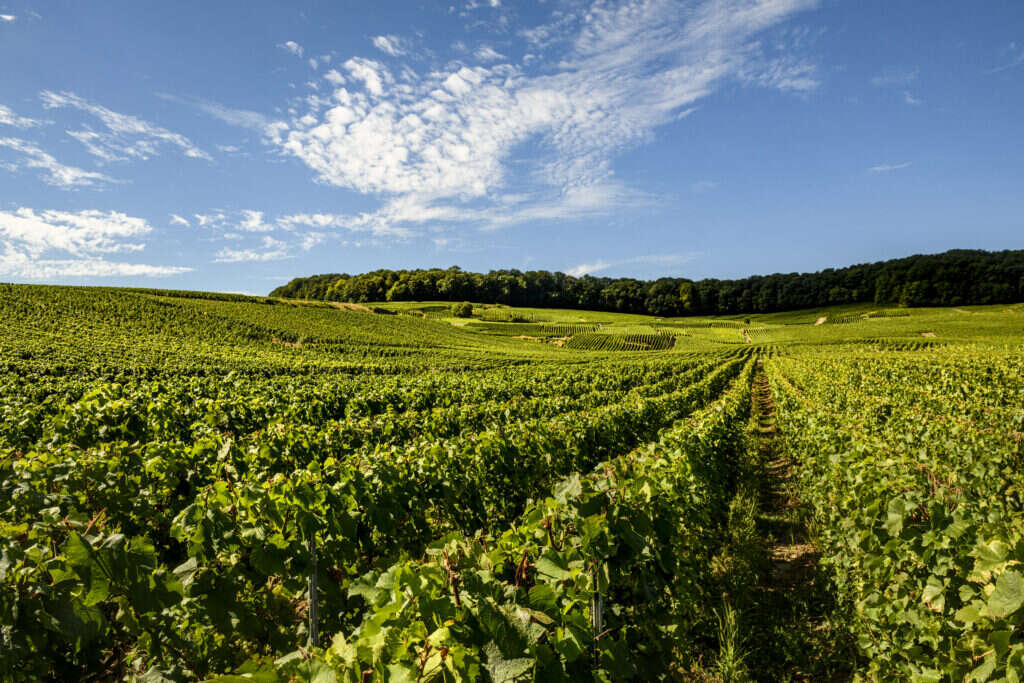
{"x": 233, "y": 146}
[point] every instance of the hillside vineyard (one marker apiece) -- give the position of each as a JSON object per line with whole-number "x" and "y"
{"x": 198, "y": 486}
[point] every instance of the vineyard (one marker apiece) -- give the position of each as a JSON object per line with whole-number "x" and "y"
{"x": 220, "y": 487}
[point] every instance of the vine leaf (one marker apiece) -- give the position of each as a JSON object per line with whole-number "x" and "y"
{"x": 1008, "y": 596}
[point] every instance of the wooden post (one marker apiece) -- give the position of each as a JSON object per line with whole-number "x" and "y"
{"x": 314, "y": 634}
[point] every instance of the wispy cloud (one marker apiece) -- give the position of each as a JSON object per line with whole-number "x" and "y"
{"x": 896, "y": 76}
{"x": 886, "y": 168}
{"x": 909, "y": 98}
{"x": 311, "y": 239}
{"x": 128, "y": 137}
{"x": 270, "y": 250}
{"x": 588, "y": 268}
{"x": 240, "y": 118}
{"x": 601, "y": 265}
{"x": 48, "y": 244}
{"x": 329, "y": 221}
{"x": 486, "y": 53}
{"x": 56, "y": 174}
{"x": 7, "y": 18}
{"x": 244, "y": 220}
{"x": 18, "y": 264}
{"x": 283, "y": 236}
{"x": 702, "y": 186}
{"x": 252, "y": 221}
{"x": 390, "y": 44}
{"x": 1016, "y": 53}
{"x": 178, "y": 220}
{"x": 784, "y": 73}
{"x": 441, "y": 146}
{"x": 9, "y": 118}
{"x": 291, "y": 47}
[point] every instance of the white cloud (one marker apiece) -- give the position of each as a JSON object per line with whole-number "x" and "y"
{"x": 334, "y": 77}
{"x": 242, "y": 221}
{"x": 896, "y": 77}
{"x": 292, "y": 47}
{"x": 909, "y": 98}
{"x": 82, "y": 238}
{"x": 210, "y": 220}
{"x": 601, "y": 264}
{"x": 252, "y": 221}
{"x": 390, "y": 44}
{"x": 886, "y": 168}
{"x": 18, "y": 264}
{"x": 444, "y": 146}
{"x": 178, "y": 220}
{"x": 57, "y": 174}
{"x": 1016, "y": 58}
{"x": 486, "y": 53}
{"x": 373, "y": 74}
{"x": 784, "y": 73}
{"x": 312, "y": 239}
{"x": 128, "y": 136}
{"x": 240, "y": 118}
{"x": 81, "y": 233}
{"x": 271, "y": 250}
{"x": 367, "y": 222}
{"x": 588, "y": 268}
{"x": 7, "y": 17}
{"x": 9, "y": 118}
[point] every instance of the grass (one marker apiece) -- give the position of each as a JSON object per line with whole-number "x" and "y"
{"x": 988, "y": 325}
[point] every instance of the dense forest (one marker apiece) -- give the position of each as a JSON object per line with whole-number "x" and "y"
{"x": 953, "y": 278}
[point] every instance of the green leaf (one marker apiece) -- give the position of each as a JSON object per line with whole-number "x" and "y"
{"x": 553, "y": 566}
{"x": 542, "y": 598}
{"x": 989, "y": 557}
{"x": 934, "y": 595}
{"x": 983, "y": 671}
{"x": 895, "y": 514}
{"x": 400, "y": 672}
{"x": 505, "y": 670}
{"x": 569, "y": 488}
{"x": 1008, "y": 596}
{"x": 5, "y": 563}
{"x": 86, "y": 563}
{"x": 968, "y": 614}
{"x": 1000, "y": 640}
{"x": 155, "y": 675}
{"x": 78, "y": 552}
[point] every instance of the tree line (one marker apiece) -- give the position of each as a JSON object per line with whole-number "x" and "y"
{"x": 953, "y": 278}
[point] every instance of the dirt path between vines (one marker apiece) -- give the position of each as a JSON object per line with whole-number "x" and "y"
{"x": 790, "y": 636}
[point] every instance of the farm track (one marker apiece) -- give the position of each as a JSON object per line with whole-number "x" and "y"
{"x": 789, "y": 634}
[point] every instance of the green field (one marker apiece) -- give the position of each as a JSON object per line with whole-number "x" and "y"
{"x": 829, "y": 494}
